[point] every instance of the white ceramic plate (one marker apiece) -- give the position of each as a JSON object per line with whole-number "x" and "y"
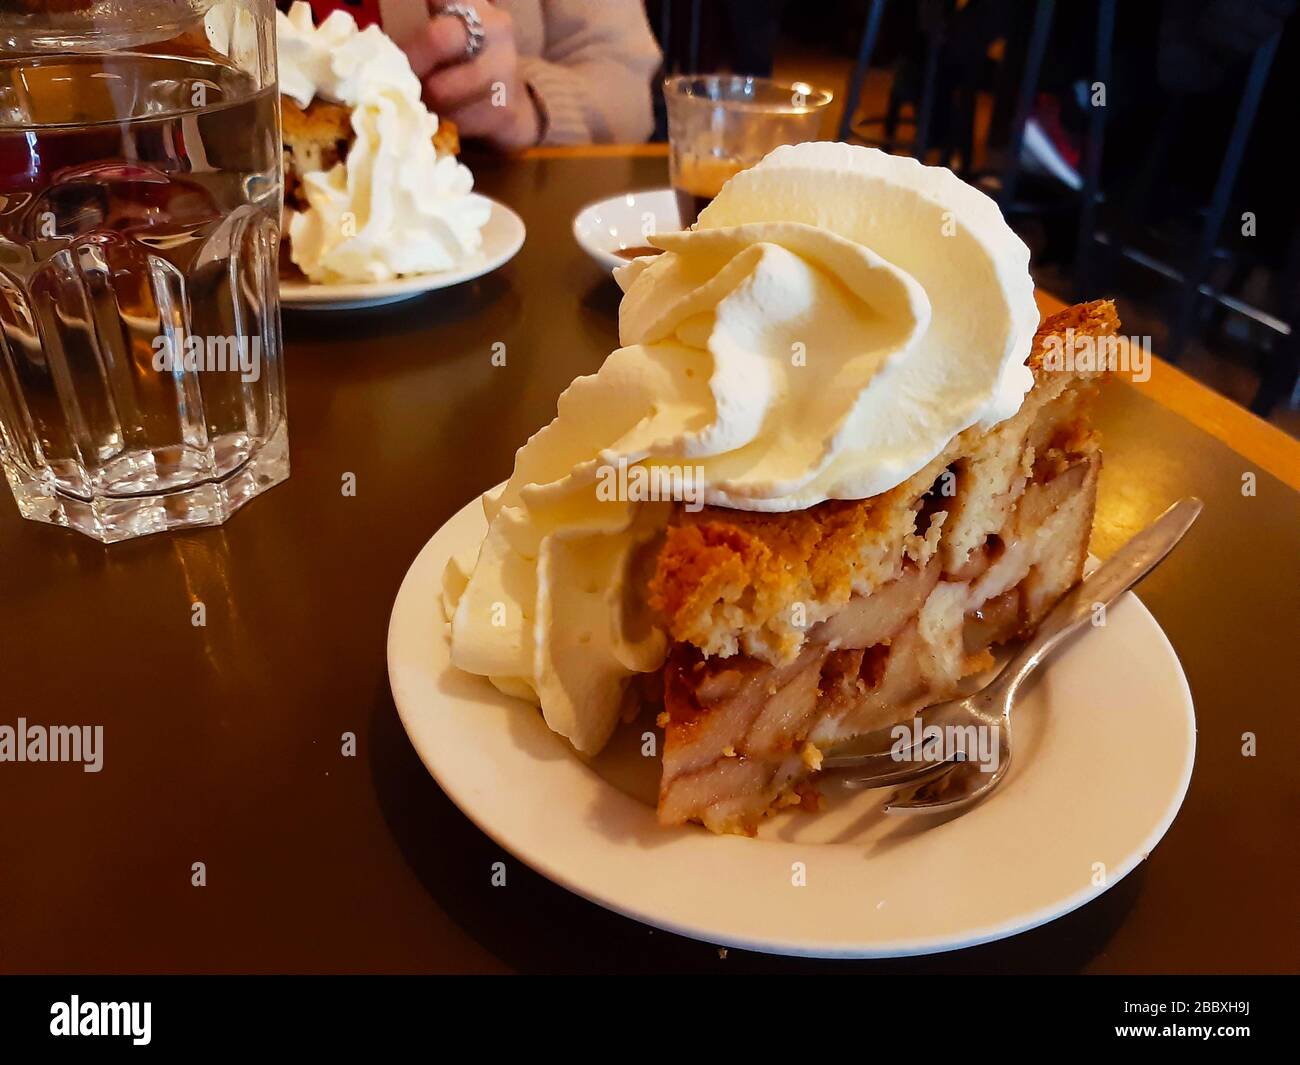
{"x": 503, "y": 236}
{"x": 604, "y": 227}
{"x": 1104, "y": 748}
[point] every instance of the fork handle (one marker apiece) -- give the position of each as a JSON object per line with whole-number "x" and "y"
{"x": 1104, "y": 585}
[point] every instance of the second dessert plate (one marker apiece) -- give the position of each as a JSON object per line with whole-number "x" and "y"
{"x": 503, "y": 236}
{"x": 1105, "y": 740}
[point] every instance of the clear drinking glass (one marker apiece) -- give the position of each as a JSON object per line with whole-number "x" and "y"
{"x": 141, "y": 379}
{"x": 719, "y": 124}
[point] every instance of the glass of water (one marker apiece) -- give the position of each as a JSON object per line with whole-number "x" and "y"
{"x": 141, "y": 379}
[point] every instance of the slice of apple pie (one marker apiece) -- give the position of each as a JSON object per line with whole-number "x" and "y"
{"x": 834, "y": 461}
{"x": 793, "y": 633}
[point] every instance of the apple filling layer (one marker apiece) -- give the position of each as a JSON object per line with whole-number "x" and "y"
{"x": 794, "y": 633}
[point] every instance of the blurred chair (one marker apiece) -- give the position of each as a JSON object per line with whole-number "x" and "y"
{"x": 943, "y": 83}
{"x": 698, "y": 37}
{"x": 678, "y": 25}
{"x": 939, "y": 74}
{"x": 733, "y": 35}
{"x": 1191, "y": 270}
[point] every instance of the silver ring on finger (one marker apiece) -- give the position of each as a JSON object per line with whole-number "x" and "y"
{"x": 473, "y": 26}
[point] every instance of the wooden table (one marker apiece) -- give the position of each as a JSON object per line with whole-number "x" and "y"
{"x": 222, "y": 743}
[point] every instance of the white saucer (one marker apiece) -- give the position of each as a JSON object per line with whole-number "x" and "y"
{"x": 604, "y": 227}
{"x": 1104, "y": 748}
{"x": 503, "y": 236}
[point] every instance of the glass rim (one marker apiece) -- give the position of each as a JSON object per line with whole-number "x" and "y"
{"x": 815, "y": 99}
{"x": 64, "y": 30}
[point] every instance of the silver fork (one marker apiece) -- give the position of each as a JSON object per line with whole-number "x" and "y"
{"x": 956, "y": 783}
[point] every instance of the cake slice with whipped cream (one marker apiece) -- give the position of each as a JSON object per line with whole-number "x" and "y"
{"x": 826, "y": 472}
{"x": 373, "y": 189}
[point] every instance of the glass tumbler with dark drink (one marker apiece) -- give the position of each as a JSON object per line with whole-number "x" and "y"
{"x": 141, "y": 381}
{"x": 719, "y": 124}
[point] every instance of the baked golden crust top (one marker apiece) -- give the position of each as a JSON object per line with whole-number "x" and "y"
{"x": 1096, "y": 319}
{"x": 324, "y": 123}
{"x": 730, "y": 580}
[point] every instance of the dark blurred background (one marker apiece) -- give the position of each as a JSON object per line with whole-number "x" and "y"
{"x": 1144, "y": 150}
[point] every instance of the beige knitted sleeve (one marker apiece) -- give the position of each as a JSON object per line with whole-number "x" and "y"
{"x": 592, "y": 80}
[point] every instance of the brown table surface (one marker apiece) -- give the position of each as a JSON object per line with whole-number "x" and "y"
{"x": 222, "y": 743}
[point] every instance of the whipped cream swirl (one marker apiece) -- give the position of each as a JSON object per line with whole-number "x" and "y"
{"x": 232, "y": 31}
{"x": 394, "y": 207}
{"x": 834, "y": 319}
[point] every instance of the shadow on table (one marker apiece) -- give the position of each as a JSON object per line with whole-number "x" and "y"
{"x": 602, "y": 297}
{"x": 463, "y": 304}
{"x": 534, "y": 926}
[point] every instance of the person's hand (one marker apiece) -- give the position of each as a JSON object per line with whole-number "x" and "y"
{"x": 484, "y": 96}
